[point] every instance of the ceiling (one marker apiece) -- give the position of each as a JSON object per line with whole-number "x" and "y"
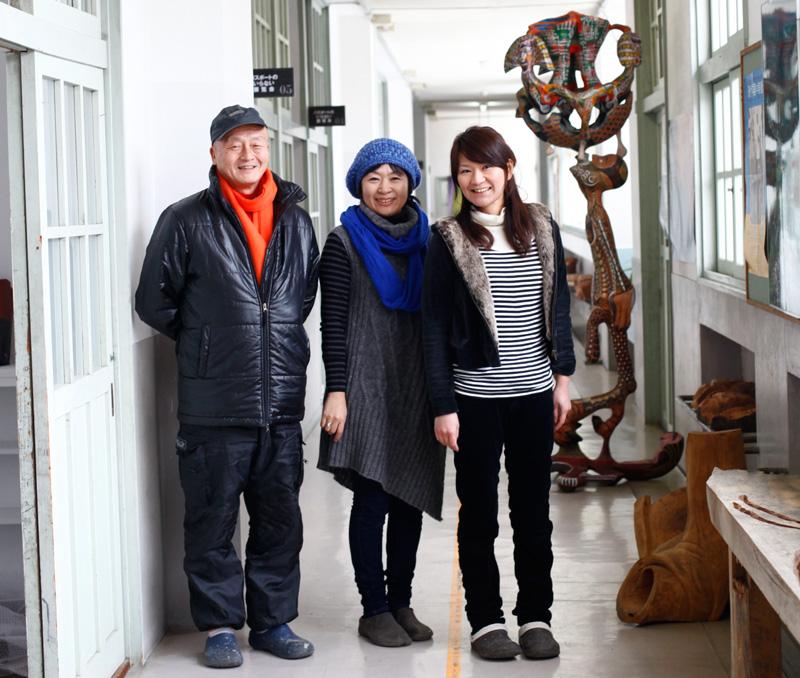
{"x": 453, "y": 50}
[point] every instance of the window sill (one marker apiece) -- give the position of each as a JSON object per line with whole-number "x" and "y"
{"x": 723, "y": 283}
{"x": 654, "y": 101}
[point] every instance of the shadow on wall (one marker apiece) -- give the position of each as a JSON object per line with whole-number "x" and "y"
{"x": 176, "y": 592}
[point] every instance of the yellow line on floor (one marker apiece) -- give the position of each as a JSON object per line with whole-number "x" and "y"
{"x": 454, "y": 632}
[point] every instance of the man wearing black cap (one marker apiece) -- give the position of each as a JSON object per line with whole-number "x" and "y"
{"x": 231, "y": 274}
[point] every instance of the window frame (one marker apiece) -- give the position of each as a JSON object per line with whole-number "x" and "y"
{"x": 712, "y": 68}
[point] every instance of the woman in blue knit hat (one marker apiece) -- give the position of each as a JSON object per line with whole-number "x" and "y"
{"x": 376, "y": 421}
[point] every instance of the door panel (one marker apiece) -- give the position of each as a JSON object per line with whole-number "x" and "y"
{"x": 79, "y": 509}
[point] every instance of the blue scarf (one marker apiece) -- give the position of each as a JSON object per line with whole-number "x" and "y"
{"x": 371, "y": 242}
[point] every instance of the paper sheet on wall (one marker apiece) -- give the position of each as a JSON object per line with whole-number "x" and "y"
{"x": 755, "y": 222}
{"x": 681, "y": 188}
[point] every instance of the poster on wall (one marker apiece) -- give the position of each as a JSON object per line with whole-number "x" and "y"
{"x": 754, "y": 167}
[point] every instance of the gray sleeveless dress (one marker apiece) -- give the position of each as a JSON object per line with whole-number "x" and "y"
{"x": 388, "y": 434}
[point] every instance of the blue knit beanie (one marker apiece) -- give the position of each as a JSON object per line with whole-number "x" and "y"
{"x": 379, "y": 152}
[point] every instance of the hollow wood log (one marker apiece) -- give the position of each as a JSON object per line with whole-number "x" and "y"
{"x": 656, "y": 522}
{"x": 686, "y": 578}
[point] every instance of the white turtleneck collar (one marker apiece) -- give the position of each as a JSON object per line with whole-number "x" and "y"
{"x": 494, "y": 223}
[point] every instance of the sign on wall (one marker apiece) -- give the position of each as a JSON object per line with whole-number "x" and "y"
{"x": 273, "y": 82}
{"x": 325, "y": 116}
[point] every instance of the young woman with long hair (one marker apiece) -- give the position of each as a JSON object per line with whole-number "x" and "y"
{"x": 498, "y": 355}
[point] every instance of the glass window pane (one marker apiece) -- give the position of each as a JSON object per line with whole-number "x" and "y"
{"x": 720, "y": 218}
{"x": 91, "y": 125}
{"x": 324, "y": 185}
{"x": 735, "y": 17}
{"x": 738, "y": 210}
{"x": 713, "y": 20}
{"x": 50, "y": 112}
{"x": 313, "y": 183}
{"x": 727, "y": 165}
{"x": 299, "y": 162}
{"x": 736, "y": 121}
{"x": 58, "y": 309}
{"x": 730, "y": 221}
{"x": 97, "y": 302}
{"x": 722, "y": 23}
{"x": 74, "y": 168}
{"x": 89, "y": 6}
{"x": 80, "y": 315}
{"x": 287, "y": 169}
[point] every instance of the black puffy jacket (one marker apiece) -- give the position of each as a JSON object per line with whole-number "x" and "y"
{"x": 242, "y": 349}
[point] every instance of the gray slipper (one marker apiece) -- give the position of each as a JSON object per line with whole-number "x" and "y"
{"x": 415, "y": 629}
{"x": 495, "y": 645}
{"x": 539, "y": 644}
{"x": 383, "y": 630}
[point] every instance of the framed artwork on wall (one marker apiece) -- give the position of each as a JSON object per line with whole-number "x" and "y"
{"x": 754, "y": 171}
{"x": 771, "y": 162}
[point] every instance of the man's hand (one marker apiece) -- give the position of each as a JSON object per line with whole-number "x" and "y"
{"x": 562, "y": 403}
{"x": 445, "y": 428}
{"x": 334, "y": 414}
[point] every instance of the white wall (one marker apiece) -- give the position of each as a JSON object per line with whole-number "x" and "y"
{"x": 359, "y": 60}
{"x": 181, "y": 62}
{"x": 774, "y": 341}
{"x": 442, "y": 128}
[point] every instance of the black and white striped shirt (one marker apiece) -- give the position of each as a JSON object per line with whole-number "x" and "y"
{"x": 516, "y": 284}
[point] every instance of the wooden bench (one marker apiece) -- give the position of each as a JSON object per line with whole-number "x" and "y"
{"x": 763, "y": 573}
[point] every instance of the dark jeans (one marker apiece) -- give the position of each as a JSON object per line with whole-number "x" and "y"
{"x": 218, "y": 464}
{"x": 371, "y": 504}
{"x": 523, "y": 427}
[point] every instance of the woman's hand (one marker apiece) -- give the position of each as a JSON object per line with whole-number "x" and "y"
{"x": 562, "y": 403}
{"x": 334, "y": 414}
{"x": 445, "y": 428}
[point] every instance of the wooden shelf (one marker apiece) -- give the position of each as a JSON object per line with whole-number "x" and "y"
{"x": 7, "y": 376}
{"x": 10, "y": 516}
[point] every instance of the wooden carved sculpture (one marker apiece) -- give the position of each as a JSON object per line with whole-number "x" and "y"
{"x": 682, "y": 572}
{"x": 563, "y": 46}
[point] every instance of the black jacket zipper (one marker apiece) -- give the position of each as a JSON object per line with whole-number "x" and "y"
{"x": 281, "y": 208}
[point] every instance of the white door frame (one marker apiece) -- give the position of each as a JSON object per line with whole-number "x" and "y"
{"x": 22, "y": 364}
{"x": 24, "y": 31}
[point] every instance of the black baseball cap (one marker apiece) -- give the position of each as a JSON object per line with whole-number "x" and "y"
{"x": 232, "y": 117}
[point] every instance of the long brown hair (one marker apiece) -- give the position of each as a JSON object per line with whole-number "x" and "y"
{"x": 485, "y": 145}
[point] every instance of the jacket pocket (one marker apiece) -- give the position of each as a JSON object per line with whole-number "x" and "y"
{"x": 205, "y": 344}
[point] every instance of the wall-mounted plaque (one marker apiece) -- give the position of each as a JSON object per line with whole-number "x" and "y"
{"x": 273, "y": 82}
{"x": 325, "y": 116}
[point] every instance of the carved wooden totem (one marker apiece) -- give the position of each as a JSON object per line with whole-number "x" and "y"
{"x": 563, "y": 46}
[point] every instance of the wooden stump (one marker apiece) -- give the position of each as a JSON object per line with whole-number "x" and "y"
{"x": 685, "y": 578}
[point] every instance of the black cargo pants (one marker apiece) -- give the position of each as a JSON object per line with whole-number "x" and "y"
{"x": 217, "y": 465}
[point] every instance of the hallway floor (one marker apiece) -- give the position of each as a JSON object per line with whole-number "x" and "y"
{"x": 594, "y": 547}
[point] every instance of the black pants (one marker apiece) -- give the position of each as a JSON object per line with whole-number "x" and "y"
{"x": 371, "y": 504}
{"x": 523, "y": 426}
{"x": 218, "y": 464}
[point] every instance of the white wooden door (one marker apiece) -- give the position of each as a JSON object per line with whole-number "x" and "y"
{"x": 73, "y": 376}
